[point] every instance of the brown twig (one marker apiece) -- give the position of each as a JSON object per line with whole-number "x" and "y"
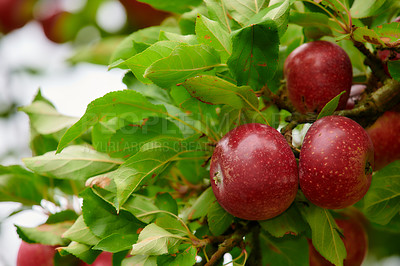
{"x": 371, "y": 60}
{"x": 234, "y": 240}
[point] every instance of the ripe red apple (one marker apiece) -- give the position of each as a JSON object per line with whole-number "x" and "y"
{"x": 384, "y": 134}
{"x": 35, "y": 255}
{"x": 336, "y": 162}
{"x": 104, "y": 259}
{"x": 315, "y": 73}
{"x": 56, "y": 26}
{"x": 14, "y": 14}
{"x": 141, "y": 15}
{"x": 253, "y": 172}
{"x": 355, "y": 240}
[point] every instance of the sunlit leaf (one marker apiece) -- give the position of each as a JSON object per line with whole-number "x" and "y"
{"x": 153, "y": 240}
{"x": 75, "y": 163}
{"x": 185, "y": 61}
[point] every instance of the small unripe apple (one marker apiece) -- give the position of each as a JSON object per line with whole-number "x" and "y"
{"x": 253, "y": 172}
{"x": 336, "y": 162}
{"x": 35, "y": 255}
{"x": 315, "y": 73}
{"x": 355, "y": 240}
{"x": 384, "y": 134}
{"x": 56, "y": 26}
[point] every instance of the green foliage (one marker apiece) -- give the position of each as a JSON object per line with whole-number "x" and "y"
{"x": 139, "y": 158}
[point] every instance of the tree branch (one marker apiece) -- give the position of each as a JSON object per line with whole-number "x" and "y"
{"x": 372, "y": 61}
{"x": 236, "y": 239}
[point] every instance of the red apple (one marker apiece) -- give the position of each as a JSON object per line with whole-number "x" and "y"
{"x": 384, "y": 134}
{"x": 35, "y": 255}
{"x": 315, "y": 73}
{"x": 14, "y": 14}
{"x": 104, "y": 259}
{"x": 336, "y": 162}
{"x": 355, "y": 240}
{"x": 141, "y": 15}
{"x": 387, "y": 55}
{"x": 253, "y": 172}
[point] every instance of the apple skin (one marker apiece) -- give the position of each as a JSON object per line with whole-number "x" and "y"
{"x": 253, "y": 172}
{"x": 336, "y": 162}
{"x": 384, "y": 134}
{"x": 104, "y": 259}
{"x": 355, "y": 240}
{"x": 15, "y": 14}
{"x": 142, "y": 15}
{"x": 315, "y": 73}
{"x": 35, "y": 255}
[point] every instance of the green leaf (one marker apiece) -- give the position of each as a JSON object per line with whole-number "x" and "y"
{"x": 153, "y": 240}
{"x": 219, "y": 220}
{"x": 243, "y": 10}
{"x": 186, "y": 257}
{"x": 47, "y": 234}
{"x": 136, "y": 43}
{"x": 365, "y": 8}
{"x": 20, "y": 185}
{"x": 81, "y": 251}
{"x": 45, "y": 119}
{"x": 330, "y": 107}
{"x": 325, "y": 233}
{"x": 311, "y": 20}
{"x": 140, "y": 260}
{"x": 176, "y": 6}
{"x": 389, "y": 33}
{"x": 382, "y": 201}
{"x": 170, "y": 36}
{"x": 289, "y": 222}
{"x": 171, "y": 224}
{"x": 255, "y": 53}
{"x": 103, "y": 219}
{"x": 126, "y": 104}
{"x": 284, "y": 251}
{"x": 62, "y": 216}
{"x": 139, "y": 205}
{"x": 185, "y": 61}
{"x": 116, "y": 242}
{"x": 74, "y": 163}
{"x": 214, "y": 90}
{"x": 124, "y": 141}
{"x": 217, "y": 12}
{"x": 278, "y": 12}
{"x": 363, "y": 34}
{"x": 166, "y": 202}
{"x": 211, "y": 33}
{"x": 394, "y": 69}
{"x": 150, "y": 161}
{"x": 141, "y": 61}
{"x": 80, "y": 232}
{"x": 200, "y": 207}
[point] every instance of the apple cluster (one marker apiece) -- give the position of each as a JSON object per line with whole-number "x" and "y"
{"x": 253, "y": 171}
